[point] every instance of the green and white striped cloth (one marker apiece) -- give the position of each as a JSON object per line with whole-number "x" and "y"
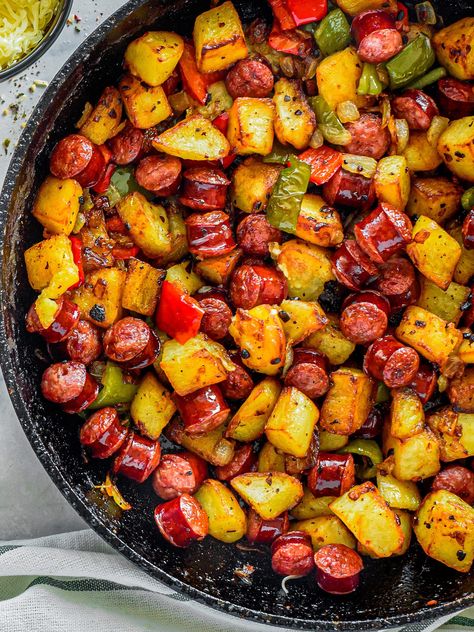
{"x": 75, "y": 582}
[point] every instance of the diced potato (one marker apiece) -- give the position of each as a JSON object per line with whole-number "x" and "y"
{"x": 182, "y": 275}
{"x": 338, "y": 76}
{"x": 219, "y": 270}
{"x": 152, "y": 407}
{"x": 398, "y": 494}
{"x": 95, "y": 237}
{"x": 312, "y": 507}
{"x": 178, "y": 236}
{"x": 270, "y": 460}
{"x": 456, "y": 146}
{"x": 249, "y": 421}
{"x": 466, "y": 350}
{"x": 104, "y": 119}
{"x": 454, "y": 50}
{"x": 447, "y": 304}
{"x": 348, "y": 401}
{"x": 250, "y": 129}
{"x": 318, "y": 223}
{"x": 329, "y": 442}
{"x": 100, "y": 297}
{"x": 46, "y": 259}
{"x": 407, "y": 415}
{"x": 142, "y": 287}
{"x": 437, "y": 198}
{"x": 194, "y": 138}
{"x": 227, "y": 520}
{"x": 292, "y": 421}
{"x": 416, "y": 458}
{"x": 219, "y": 38}
{"x": 211, "y": 446}
{"x": 392, "y": 181}
{"x": 364, "y": 511}
{"x": 444, "y": 527}
{"x": 301, "y": 319}
{"x": 148, "y": 224}
{"x": 145, "y": 106}
{"x": 325, "y": 530}
{"x": 405, "y": 523}
{"x": 420, "y": 154}
{"x": 332, "y": 342}
{"x": 57, "y": 205}
{"x": 260, "y": 332}
{"x": 306, "y": 267}
{"x": 268, "y": 493}
{"x": 153, "y": 56}
{"x": 295, "y": 121}
{"x": 252, "y": 184}
{"x": 431, "y": 336}
{"x": 198, "y": 363}
{"x": 354, "y": 7}
{"x": 465, "y": 266}
{"x": 455, "y": 433}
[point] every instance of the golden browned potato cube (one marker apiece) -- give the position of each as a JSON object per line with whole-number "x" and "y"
{"x": 329, "y": 442}
{"x": 348, "y": 401}
{"x": 398, "y": 494}
{"x": 354, "y": 7}
{"x": 319, "y": 223}
{"x": 148, "y": 224}
{"x": 46, "y": 259}
{"x": 194, "y": 138}
{"x": 219, "y": 38}
{"x": 454, "y": 50}
{"x": 392, "y": 181}
{"x": 433, "y": 251}
{"x": 100, "y": 297}
{"x": 252, "y": 184}
{"x": 437, "y": 198}
{"x": 152, "y": 407}
{"x": 198, "y": 363}
{"x": 153, "y": 56}
{"x": 444, "y": 527}
{"x": 259, "y": 331}
{"x": 431, "y": 336}
{"x": 465, "y": 266}
{"x": 312, "y": 507}
{"x": 405, "y": 523}
{"x": 420, "y": 154}
{"x": 145, "y": 106}
{"x": 219, "y": 270}
{"x": 466, "y": 350}
{"x": 338, "y": 76}
{"x": 250, "y": 129}
{"x": 292, "y": 421}
{"x": 249, "y": 421}
{"x": 57, "y": 205}
{"x": 211, "y": 446}
{"x": 417, "y": 457}
{"x": 269, "y": 460}
{"x": 301, "y": 319}
{"x": 332, "y": 342}
{"x": 268, "y": 493}
{"x": 325, "y": 530}
{"x": 455, "y": 433}
{"x": 227, "y": 520}
{"x": 178, "y": 237}
{"x": 406, "y": 414}
{"x": 142, "y": 287}
{"x": 306, "y": 267}
{"x": 182, "y": 275}
{"x": 447, "y": 304}
{"x": 104, "y": 120}
{"x": 295, "y": 121}
{"x": 456, "y": 146}
{"x": 365, "y": 512}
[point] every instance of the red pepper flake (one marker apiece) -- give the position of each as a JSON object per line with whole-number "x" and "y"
{"x": 432, "y": 602}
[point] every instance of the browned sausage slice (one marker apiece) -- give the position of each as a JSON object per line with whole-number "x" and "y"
{"x": 182, "y": 521}
{"x": 292, "y": 554}
{"x": 457, "y": 480}
{"x": 160, "y": 174}
{"x": 380, "y": 46}
{"x": 238, "y": 384}
{"x": 71, "y": 156}
{"x": 254, "y": 234}
{"x": 103, "y": 433}
{"x": 244, "y": 460}
{"x": 131, "y": 342}
{"x": 249, "y": 78}
{"x": 337, "y": 569}
{"x": 397, "y": 281}
{"x": 416, "y": 107}
{"x": 216, "y": 319}
{"x": 84, "y": 343}
{"x": 369, "y": 138}
{"x": 177, "y": 474}
{"x": 63, "y": 381}
{"x": 204, "y": 188}
{"x": 401, "y": 368}
{"x": 127, "y": 145}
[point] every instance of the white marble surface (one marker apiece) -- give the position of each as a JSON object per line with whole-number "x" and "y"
{"x": 30, "y": 504}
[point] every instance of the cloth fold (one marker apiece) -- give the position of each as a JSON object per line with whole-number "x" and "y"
{"x": 75, "y": 582}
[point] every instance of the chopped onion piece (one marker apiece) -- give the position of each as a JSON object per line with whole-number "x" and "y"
{"x": 437, "y": 127}
{"x": 425, "y": 13}
{"x": 317, "y": 140}
{"x": 403, "y": 134}
{"x": 348, "y": 112}
{"x": 110, "y": 489}
{"x": 361, "y": 165}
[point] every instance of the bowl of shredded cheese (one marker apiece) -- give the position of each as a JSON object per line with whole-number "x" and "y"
{"x": 27, "y": 30}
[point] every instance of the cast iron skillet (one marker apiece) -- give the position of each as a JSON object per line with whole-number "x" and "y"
{"x": 393, "y": 592}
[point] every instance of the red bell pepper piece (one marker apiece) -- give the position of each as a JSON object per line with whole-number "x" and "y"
{"x": 282, "y": 14}
{"x": 178, "y": 315}
{"x": 195, "y": 82}
{"x": 289, "y": 42}
{"x": 115, "y": 224}
{"x": 324, "y": 163}
{"x": 222, "y": 123}
{"x": 125, "y": 253}
{"x": 104, "y": 182}
{"x": 402, "y": 21}
{"x": 306, "y": 11}
{"x": 76, "y": 247}
{"x": 106, "y": 152}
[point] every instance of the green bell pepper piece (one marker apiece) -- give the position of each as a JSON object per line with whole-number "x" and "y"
{"x": 412, "y": 62}
{"x": 333, "y": 33}
{"x": 429, "y": 78}
{"x": 285, "y": 202}
{"x": 467, "y": 199}
{"x": 383, "y": 393}
{"x": 114, "y": 389}
{"x": 368, "y": 449}
{"x": 328, "y": 122}
{"x": 279, "y": 155}
{"x": 123, "y": 182}
{"x": 369, "y": 82}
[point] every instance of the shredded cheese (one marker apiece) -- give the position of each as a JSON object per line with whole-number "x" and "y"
{"x": 22, "y": 26}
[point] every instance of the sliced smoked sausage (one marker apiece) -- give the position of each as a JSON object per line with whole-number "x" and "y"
{"x": 333, "y": 475}
{"x": 180, "y": 473}
{"x": 416, "y": 107}
{"x": 254, "y": 234}
{"x": 256, "y": 284}
{"x": 203, "y": 410}
{"x": 209, "y": 234}
{"x": 369, "y": 138}
{"x": 216, "y": 318}
{"x": 349, "y": 189}
{"x": 102, "y": 433}
{"x": 204, "y": 188}
{"x": 352, "y": 267}
{"x": 249, "y": 78}
{"x": 397, "y": 281}
{"x": 376, "y": 36}
{"x": 308, "y": 372}
{"x": 260, "y": 531}
{"x": 84, "y": 343}
{"x": 127, "y": 145}
{"x": 69, "y": 384}
{"x": 244, "y": 460}
{"x": 455, "y": 98}
{"x": 364, "y": 317}
{"x": 137, "y": 458}
{"x": 457, "y": 480}
{"x": 383, "y": 233}
{"x": 292, "y": 554}
{"x": 70, "y": 156}
{"x": 132, "y": 343}
{"x": 65, "y": 320}
{"x": 337, "y": 569}
{"x": 182, "y": 521}
{"x": 238, "y": 384}
{"x": 160, "y": 174}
